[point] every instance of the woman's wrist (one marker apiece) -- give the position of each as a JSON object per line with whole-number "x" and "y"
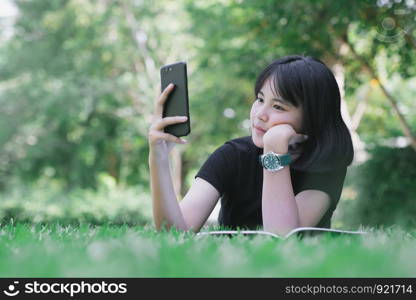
{"x": 157, "y": 154}
{"x": 280, "y": 147}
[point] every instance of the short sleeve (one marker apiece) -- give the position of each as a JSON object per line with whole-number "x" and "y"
{"x": 219, "y": 168}
{"x": 328, "y": 182}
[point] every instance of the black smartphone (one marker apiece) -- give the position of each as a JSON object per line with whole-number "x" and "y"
{"x": 177, "y": 103}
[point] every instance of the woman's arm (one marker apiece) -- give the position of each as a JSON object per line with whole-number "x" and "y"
{"x": 165, "y": 205}
{"x": 201, "y": 197}
{"x": 283, "y": 211}
{"x": 189, "y": 214}
{"x": 279, "y": 208}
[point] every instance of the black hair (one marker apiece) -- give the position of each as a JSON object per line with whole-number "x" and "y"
{"x": 308, "y": 82}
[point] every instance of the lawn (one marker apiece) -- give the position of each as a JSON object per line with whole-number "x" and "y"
{"x": 54, "y": 250}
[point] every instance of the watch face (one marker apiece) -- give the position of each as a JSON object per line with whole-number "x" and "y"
{"x": 271, "y": 162}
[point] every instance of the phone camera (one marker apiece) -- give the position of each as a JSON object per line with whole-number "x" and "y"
{"x": 170, "y": 69}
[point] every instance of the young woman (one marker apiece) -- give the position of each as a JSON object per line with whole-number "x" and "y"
{"x": 288, "y": 173}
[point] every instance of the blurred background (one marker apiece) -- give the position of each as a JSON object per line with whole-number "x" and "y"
{"x": 78, "y": 81}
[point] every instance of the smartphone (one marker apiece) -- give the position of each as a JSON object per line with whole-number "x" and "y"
{"x": 177, "y": 103}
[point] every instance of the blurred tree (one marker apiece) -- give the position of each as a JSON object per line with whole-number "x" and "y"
{"x": 242, "y": 37}
{"x": 392, "y": 201}
{"x": 79, "y": 78}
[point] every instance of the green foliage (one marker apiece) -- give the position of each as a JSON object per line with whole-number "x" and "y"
{"x": 380, "y": 122}
{"x": 76, "y": 91}
{"x": 78, "y": 79}
{"x": 386, "y": 189}
{"x": 55, "y": 250}
{"x": 47, "y": 201}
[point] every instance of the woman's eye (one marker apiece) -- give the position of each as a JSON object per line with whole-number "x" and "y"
{"x": 275, "y": 106}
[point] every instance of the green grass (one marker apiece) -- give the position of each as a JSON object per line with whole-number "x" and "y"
{"x": 120, "y": 251}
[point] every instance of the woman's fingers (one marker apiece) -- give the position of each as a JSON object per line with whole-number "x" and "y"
{"x": 296, "y": 145}
{"x": 298, "y": 138}
{"x": 168, "y": 137}
{"x": 162, "y": 99}
{"x": 156, "y": 135}
{"x": 162, "y": 123}
{"x": 293, "y": 147}
{"x": 295, "y": 152}
{"x": 156, "y": 130}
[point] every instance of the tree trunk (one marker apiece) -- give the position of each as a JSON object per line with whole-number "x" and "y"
{"x": 362, "y": 98}
{"x": 393, "y": 101}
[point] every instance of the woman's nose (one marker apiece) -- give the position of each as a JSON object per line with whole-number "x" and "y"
{"x": 262, "y": 114}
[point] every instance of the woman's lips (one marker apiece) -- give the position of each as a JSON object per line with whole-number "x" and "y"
{"x": 258, "y": 130}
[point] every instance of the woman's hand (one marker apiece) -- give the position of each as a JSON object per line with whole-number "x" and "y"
{"x": 158, "y": 139}
{"x": 282, "y": 139}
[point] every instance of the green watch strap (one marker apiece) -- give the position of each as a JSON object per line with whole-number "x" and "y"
{"x": 285, "y": 159}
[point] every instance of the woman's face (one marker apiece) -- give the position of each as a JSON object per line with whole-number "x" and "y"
{"x": 267, "y": 112}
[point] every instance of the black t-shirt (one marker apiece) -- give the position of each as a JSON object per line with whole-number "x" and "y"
{"x": 235, "y": 171}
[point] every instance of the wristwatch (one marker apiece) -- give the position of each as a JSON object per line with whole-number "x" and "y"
{"x": 274, "y": 162}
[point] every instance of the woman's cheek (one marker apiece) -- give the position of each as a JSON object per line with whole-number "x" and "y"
{"x": 252, "y": 112}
